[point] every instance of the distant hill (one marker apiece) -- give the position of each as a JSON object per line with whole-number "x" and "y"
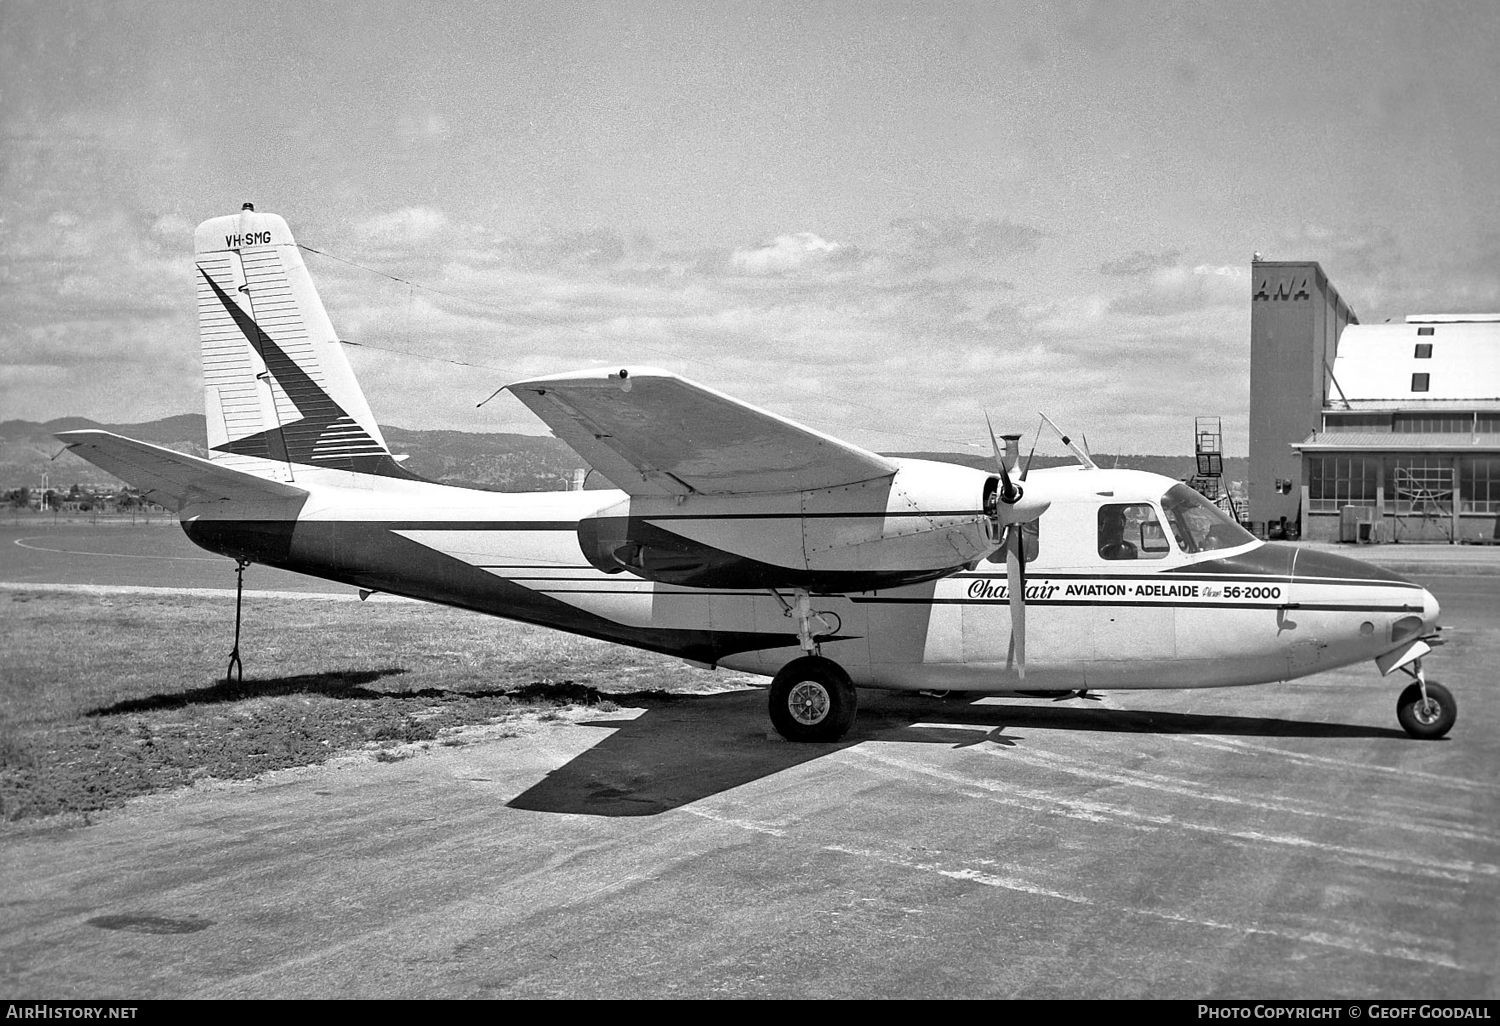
{"x": 497, "y": 461}
{"x": 1236, "y": 468}
{"x": 493, "y": 460}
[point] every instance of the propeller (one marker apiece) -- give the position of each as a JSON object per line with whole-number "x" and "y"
{"x": 1015, "y": 577}
{"x": 1014, "y": 543}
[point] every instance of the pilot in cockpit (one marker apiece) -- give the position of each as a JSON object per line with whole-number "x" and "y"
{"x": 1112, "y": 543}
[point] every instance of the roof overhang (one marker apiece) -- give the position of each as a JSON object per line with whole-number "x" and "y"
{"x": 1397, "y": 441}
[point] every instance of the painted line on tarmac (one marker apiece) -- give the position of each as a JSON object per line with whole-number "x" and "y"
{"x": 1010, "y": 793}
{"x": 1187, "y": 788}
{"x": 1402, "y": 946}
{"x": 131, "y": 589}
{"x": 989, "y": 879}
{"x": 116, "y": 555}
{"x": 743, "y": 824}
{"x": 1402, "y": 772}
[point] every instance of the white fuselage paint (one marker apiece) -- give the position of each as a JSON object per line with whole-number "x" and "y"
{"x": 1144, "y": 623}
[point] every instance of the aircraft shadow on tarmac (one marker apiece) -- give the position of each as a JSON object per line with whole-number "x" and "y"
{"x": 689, "y": 747}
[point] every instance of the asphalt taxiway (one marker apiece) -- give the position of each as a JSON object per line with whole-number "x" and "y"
{"x": 1277, "y": 841}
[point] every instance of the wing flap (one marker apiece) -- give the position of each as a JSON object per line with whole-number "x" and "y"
{"x": 652, "y": 432}
{"x": 169, "y": 477}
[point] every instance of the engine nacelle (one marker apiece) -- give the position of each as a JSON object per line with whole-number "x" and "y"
{"x": 924, "y": 522}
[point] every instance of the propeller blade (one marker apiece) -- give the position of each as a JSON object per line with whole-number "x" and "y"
{"x": 1015, "y": 576}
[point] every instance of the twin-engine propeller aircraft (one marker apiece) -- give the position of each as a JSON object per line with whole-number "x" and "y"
{"x": 741, "y": 539}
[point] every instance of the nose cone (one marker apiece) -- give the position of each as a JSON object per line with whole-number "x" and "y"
{"x": 1430, "y": 610}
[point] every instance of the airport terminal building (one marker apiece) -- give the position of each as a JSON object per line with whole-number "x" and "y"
{"x": 1369, "y": 432}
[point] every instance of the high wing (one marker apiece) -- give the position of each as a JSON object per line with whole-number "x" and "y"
{"x": 654, "y": 433}
{"x": 172, "y": 478}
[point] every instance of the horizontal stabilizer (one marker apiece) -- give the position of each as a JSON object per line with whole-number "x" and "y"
{"x": 171, "y": 478}
{"x": 654, "y": 433}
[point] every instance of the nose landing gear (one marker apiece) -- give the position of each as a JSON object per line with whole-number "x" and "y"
{"x": 1426, "y": 709}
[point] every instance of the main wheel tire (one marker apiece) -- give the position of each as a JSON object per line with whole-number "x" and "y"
{"x": 1428, "y": 720}
{"x": 812, "y": 699}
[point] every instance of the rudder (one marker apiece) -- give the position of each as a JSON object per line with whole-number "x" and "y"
{"x": 278, "y": 390}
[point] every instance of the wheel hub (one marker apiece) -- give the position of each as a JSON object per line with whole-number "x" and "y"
{"x": 1427, "y": 712}
{"x": 808, "y": 703}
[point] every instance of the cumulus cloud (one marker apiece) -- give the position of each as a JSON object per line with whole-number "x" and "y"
{"x": 589, "y": 246}
{"x": 893, "y": 339}
{"x": 1139, "y": 263}
{"x": 785, "y": 253}
{"x": 410, "y": 224}
{"x": 1165, "y": 285}
{"x": 976, "y": 240}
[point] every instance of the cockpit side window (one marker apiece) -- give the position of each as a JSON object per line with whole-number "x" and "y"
{"x": 1131, "y": 531}
{"x": 1199, "y": 525}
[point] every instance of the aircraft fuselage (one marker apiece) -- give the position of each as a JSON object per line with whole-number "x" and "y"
{"x": 1254, "y": 613}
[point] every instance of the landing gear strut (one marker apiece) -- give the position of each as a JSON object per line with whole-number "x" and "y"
{"x": 810, "y": 623}
{"x": 236, "y": 667}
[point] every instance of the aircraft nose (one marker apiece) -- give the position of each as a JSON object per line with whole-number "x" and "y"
{"x": 1430, "y": 610}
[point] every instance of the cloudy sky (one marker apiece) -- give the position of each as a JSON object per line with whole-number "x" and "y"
{"x": 878, "y": 218}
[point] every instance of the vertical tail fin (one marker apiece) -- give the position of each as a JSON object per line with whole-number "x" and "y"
{"x": 278, "y": 391}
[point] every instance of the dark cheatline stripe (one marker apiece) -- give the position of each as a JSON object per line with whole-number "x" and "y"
{"x": 372, "y": 556}
{"x": 1269, "y": 604}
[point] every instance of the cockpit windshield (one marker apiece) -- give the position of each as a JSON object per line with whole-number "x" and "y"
{"x": 1199, "y": 525}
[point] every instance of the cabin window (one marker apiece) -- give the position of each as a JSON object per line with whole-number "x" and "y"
{"x": 1131, "y": 531}
{"x": 1198, "y": 524}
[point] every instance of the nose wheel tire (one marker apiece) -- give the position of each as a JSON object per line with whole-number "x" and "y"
{"x": 812, "y": 699}
{"x": 1430, "y": 719}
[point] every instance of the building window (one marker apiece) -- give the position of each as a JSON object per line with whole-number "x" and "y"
{"x": 1336, "y": 481}
{"x": 1424, "y": 351}
{"x": 1419, "y": 382}
{"x": 1429, "y": 423}
{"x": 1356, "y": 421}
{"x": 1487, "y": 423}
{"x": 1419, "y": 484}
{"x": 1479, "y": 484}
{"x": 1424, "y": 331}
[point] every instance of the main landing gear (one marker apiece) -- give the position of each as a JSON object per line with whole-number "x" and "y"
{"x": 812, "y": 698}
